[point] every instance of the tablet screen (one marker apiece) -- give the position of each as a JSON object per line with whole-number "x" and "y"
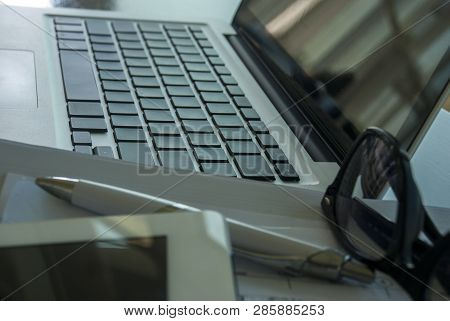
{"x": 124, "y": 269}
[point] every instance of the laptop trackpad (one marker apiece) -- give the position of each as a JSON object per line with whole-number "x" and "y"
{"x": 17, "y": 80}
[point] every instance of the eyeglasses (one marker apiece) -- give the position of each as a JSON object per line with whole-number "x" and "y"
{"x": 395, "y": 235}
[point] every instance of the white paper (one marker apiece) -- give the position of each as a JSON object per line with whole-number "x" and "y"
{"x": 256, "y": 282}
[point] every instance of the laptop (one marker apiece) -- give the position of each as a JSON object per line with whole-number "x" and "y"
{"x": 277, "y": 95}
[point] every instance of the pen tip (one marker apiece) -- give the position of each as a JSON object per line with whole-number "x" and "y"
{"x": 61, "y": 188}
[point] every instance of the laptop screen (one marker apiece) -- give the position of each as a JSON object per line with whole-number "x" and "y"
{"x": 363, "y": 63}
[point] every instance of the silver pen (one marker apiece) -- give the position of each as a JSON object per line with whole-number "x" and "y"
{"x": 279, "y": 252}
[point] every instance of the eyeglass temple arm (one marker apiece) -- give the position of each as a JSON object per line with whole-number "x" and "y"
{"x": 380, "y": 228}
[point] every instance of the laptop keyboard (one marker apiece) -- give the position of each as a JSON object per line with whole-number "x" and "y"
{"x": 170, "y": 100}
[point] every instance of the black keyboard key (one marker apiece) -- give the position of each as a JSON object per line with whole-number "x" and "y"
{"x": 175, "y": 26}
{"x": 180, "y": 91}
{"x": 122, "y": 108}
{"x": 89, "y": 124}
{"x": 267, "y": 140}
{"x": 239, "y": 133}
{"x": 218, "y": 108}
{"x": 287, "y": 172}
{"x": 109, "y": 65}
{"x": 216, "y": 61}
{"x": 144, "y": 72}
{"x": 235, "y": 90}
{"x": 205, "y": 44}
{"x": 254, "y": 167}
{"x": 182, "y": 42}
{"x": 242, "y": 147}
{"x": 159, "y": 44}
{"x": 78, "y": 76}
{"x": 107, "y": 56}
{"x": 170, "y": 71}
{"x": 88, "y": 109}
{"x": 210, "y": 154}
{"x": 228, "y": 80}
{"x": 115, "y": 85}
{"x": 123, "y": 26}
{"x": 102, "y": 39}
{"x": 136, "y": 152}
{"x": 164, "y": 129}
{"x": 258, "y": 127}
{"x": 125, "y": 121}
{"x": 118, "y": 96}
{"x": 133, "y": 53}
{"x": 145, "y": 81}
{"x": 69, "y": 28}
{"x": 204, "y": 140}
{"x": 222, "y": 70}
{"x": 155, "y": 92}
{"x": 227, "y": 121}
{"x": 202, "y": 76}
{"x": 192, "y": 58}
{"x": 250, "y": 114}
{"x": 178, "y": 34}
{"x": 99, "y": 47}
{"x": 67, "y": 21}
{"x": 83, "y": 149}
{"x": 175, "y": 80}
{"x": 149, "y": 27}
{"x": 221, "y": 169}
{"x": 112, "y": 75}
{"x": 154, "y": 103}
{"x": 129, "y": 134}
{"x": 200, "y": 35}
{"x": 176, "y": 159}
{"x": 161, "y": 52}
{"x": 169, "y": 142}
{"x": 185, "y": 102}
{"x": 165, "y": 61}
{"x": 191, "y": 113}
{"x": 97, "y": 27}
{"x": 127, "y": 36}
{"x": 70, "y": 35}
{"x": 242, "y": 102}
{"x": 152, "y": 115}
{"x": 137, "y": 62}
{"x": 154, "y": 36}
{"x": 214, "y": 97}
{"x": 198, "y": 126}
{"x": 104, "y": 151}
{"x": 210, "y": 52}
{"x": 130, "y": 45}
{"x": 81, "y": 138}
{"x": 276, "y": 155}
{"x": 72, "y": 45}
{"x": 208, "y": 86}
{"x": 189, "y": 50}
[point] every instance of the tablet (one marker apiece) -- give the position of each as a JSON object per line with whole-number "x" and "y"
{"x": 176, "y": 256}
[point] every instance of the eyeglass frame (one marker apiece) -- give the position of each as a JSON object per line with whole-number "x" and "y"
{"x": 398, "y": 258}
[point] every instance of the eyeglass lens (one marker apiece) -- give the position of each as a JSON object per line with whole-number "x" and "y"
{"x": 372, "y": 174}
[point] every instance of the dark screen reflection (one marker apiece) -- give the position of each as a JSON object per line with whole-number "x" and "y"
{"x": 132, "y": 269}
{"x": 374, "y": 57}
